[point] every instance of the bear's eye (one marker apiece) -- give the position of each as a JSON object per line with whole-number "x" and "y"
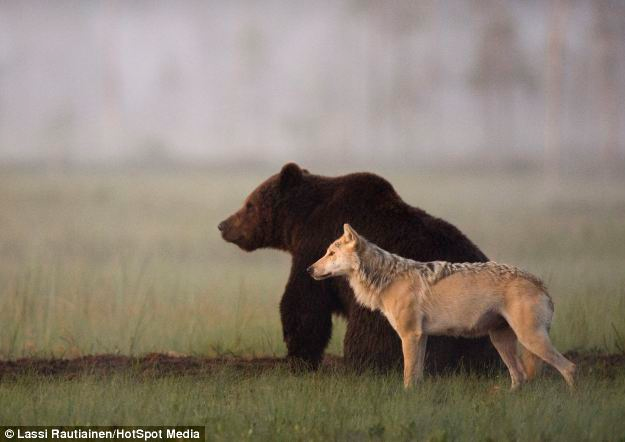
{"x": 249, "y": 206}
{"x": 331, "y": 253}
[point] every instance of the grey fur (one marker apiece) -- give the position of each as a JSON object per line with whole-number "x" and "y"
{"x": 378, "y": 268}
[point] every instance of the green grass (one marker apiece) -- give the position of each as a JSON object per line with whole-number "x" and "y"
{"x": 327, "y": 406}
{"x": 133, "y": 263}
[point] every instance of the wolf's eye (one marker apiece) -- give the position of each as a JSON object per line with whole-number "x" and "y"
{"x": 331, "y": 253}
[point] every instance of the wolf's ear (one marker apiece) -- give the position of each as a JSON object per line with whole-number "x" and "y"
{"x": 290, "y": 175}
{"x": 350, "y": 233}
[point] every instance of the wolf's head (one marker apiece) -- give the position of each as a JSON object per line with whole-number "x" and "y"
{"x": 341, "y": 258}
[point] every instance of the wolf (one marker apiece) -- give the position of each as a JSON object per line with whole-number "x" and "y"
{"x": 509, "y": 305}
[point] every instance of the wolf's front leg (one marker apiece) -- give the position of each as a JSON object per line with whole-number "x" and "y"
{"x": 410, "y": 347}
{"x": 413, "y": 347}
{"x": 422, "y": 341}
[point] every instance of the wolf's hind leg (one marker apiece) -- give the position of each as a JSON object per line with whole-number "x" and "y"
{"x": 537, "y": 341}
{"x": 530, "y": 318}
{"x": 531, "y": 363}
{"x": 505, "y": 341}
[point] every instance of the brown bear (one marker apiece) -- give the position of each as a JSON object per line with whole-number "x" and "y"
{"x": 301, "y": 213}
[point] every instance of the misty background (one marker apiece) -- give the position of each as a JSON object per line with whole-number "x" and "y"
{"x": 402, "y": 82}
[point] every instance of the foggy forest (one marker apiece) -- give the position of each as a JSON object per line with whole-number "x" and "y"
{"x": 403, "y": 82}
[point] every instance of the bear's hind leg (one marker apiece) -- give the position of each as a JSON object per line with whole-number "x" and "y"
{"x": 370, "y": 342}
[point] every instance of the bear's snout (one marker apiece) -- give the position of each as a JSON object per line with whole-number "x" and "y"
{"x": 310, "y": 270}
{"x": 221, "y": 226}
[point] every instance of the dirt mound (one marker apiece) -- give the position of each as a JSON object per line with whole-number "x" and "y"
{"x": 605, "y": 365}
{"x": 150, "y": 364}
{"x": 163, "y": 364}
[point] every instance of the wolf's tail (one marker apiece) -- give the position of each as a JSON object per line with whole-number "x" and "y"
{"x": 531, "y": 363}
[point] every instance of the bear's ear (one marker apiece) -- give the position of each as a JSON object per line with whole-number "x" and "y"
{"x": 290, "y": 175}
{"x": 350, "y": 233}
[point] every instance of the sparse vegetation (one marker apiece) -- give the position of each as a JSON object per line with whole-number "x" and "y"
{"x": 133, "y": 263}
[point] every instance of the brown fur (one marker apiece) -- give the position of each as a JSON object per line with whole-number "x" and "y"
{"x": 300, "y": 213}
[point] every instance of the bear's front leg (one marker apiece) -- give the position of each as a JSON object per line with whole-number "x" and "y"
{"x": 306, "y": 313}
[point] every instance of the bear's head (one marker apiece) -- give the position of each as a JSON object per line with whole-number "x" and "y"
{"x": 259, "y": 223}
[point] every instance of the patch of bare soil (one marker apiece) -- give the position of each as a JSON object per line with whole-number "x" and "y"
{"x": 599, "y": 364}
{"x": 152, "y": 364}
{"x": 161, "y": 364}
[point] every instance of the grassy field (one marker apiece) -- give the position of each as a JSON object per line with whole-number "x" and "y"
{"x": 327, "y": 406}
{"x": 132, "y": 263}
